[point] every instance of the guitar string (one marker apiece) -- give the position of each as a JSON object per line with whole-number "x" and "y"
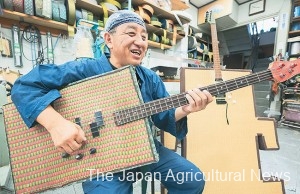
{"x": 180, "y": 100}
{"x": 229, "y": 86}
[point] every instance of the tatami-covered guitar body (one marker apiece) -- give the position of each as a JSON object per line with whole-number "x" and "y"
{"x": 37, "y": 165}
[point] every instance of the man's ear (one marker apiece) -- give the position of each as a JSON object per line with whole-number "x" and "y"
{"x": 107, "y": 39}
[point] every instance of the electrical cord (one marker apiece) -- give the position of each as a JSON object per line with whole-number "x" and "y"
{"x": 32, "y": 35}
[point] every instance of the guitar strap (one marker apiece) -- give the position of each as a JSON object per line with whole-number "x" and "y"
{"x": 17, "y": 49}
{"x": 50, "y": 54}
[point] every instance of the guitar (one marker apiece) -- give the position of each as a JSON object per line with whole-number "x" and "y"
{"x": 220, "y": 98}
{"x": 118, "y": 133}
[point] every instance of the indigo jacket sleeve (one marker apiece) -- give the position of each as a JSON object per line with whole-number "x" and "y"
{"x": 153, "y": 89}
{"x": 34, "y": 91}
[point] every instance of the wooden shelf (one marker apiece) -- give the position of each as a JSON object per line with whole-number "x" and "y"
{"x": 160, "y": 32}
{"x": 294, "y": 39}
{"x": 294, "y": 33}
{"x": 170, "y": 80}
{"x": 178, "y": 5}
{"x": 158, "y": 45}
{"x": 96, "y": 9}
{"x": 12, "y": 17}
{"x": 295, "y": 19}
{"x": 159, "y": 12}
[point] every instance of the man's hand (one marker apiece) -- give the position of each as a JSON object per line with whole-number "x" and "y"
{"x": 67, "y": 136}
{"x": 198, "y": 100}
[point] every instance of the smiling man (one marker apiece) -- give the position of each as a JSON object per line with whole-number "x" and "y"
{"x": 126, "y": 37}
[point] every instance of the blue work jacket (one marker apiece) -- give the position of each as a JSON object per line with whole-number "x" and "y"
{"x": 34, "y": 91}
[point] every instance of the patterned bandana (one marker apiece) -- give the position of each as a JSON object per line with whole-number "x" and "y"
{"x": 122, "y": 17}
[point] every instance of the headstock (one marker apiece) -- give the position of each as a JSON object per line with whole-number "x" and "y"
{"x": 284, "y": 70}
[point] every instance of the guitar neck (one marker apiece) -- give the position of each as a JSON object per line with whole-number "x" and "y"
{"x": 150, "y": 108}
{"x": 215, "y": 46}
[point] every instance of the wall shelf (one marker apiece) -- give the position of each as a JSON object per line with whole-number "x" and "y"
{"x": 159, "y": 12}
{"x": 294, "y": 33}
{"x": 158, "y": 45}
{"x": 12, "y": 17}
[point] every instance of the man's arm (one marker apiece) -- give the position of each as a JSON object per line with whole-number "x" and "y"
{"x": 34, "y": 92}
{"x": 66, "y": 135}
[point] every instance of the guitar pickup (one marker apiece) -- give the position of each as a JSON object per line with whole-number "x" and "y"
{"x": 99, "y": 118}
{"x": 95, "y": 126}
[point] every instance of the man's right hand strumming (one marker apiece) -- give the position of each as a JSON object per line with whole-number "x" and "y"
{"x": 66, "y": 135}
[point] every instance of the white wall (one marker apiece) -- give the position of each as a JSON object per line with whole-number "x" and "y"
{"x": 281, "y": 8}
{"x": 62, "y": 54}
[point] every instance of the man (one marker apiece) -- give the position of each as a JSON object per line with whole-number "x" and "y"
{"x": 126, "y": 37}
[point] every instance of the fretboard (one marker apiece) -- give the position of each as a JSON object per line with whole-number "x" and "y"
{"x": 150, "y": 108}
{"x": 216, "y": 54}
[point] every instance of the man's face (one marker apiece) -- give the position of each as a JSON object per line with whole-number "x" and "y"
{"x": 128, "y": 44}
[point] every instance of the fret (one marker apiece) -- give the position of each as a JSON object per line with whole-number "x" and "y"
{"x": 236, "y": 83}
{"x": 247, "y": 81}
{"x": 217, "y": 89}
{"x": 143, "y": 111}
{"x": 221, "y": 87}
{"x": 127, "y": 117}
{"x": 160, "y": 104}
{"x": 155, "y": 106}
{"x": 226, "y": 86}
{"x": 148, "y": 109}
{"x": 241, "y": 82}
{"x": 135, "y": 114}
{"x": 258, "y": 77}
{"x": 168, "y": 103}
{"x": 152, "y": 108}
{"x": 177, "y": 102}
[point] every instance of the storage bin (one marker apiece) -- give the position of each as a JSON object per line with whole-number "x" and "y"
{"x": 296, "y": 26}
{"x": 297, "y": 11}
{"x": 295, "y": 48}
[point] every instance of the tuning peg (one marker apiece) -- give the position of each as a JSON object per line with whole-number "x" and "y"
{"x": 281, "y": 65}
{"x": 282, "y": 75}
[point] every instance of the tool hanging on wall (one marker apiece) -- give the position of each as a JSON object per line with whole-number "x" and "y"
{"x": 17, "y": 49}
{"x": 50, "y": 54}
{"x": 31, "y": 34}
